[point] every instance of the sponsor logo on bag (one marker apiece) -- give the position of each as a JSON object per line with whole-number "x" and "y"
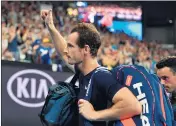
{"x": 142, "y": 98}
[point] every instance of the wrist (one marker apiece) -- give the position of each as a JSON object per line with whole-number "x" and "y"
{"x": 51, "y": 26}
{"x": 94, "y": 116}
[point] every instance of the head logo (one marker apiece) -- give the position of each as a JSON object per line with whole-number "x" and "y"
{"x": 30, "y": 84}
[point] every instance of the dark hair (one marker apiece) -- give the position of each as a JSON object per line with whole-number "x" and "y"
{"x": 169, "y": 61}
{"x": 88, "y": 35}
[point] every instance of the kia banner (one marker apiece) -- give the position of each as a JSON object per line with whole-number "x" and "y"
{"x": 24, "y": 88}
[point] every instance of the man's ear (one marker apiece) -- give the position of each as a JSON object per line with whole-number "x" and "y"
{"x": 86, "y": 49}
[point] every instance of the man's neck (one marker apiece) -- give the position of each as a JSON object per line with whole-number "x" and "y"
{"x": 89, "y": 65}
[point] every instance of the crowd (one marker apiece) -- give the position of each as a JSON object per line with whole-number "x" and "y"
{"x": 26, "y": 39}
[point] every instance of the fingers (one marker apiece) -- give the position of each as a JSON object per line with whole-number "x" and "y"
{"x": 81, "y": 101}
{"x": 80, "y": 105}
{"x": 81, "y": 110}
{"x": 50, "y": 11}
{"x": 45, "y": 13}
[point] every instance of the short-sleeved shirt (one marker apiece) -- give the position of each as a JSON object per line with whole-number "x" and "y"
{"x": 103, "y": 89}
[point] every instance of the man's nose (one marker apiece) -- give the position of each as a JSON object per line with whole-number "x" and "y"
{"x": 163, "y": 82}
{"x": 66, "y": 50}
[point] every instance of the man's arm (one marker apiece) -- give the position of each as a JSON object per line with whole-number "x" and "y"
{"x": 58, "y": 40}
{"x": 125, "y": 106}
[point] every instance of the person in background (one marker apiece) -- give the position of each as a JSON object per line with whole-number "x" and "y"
{"x": 166, "y": 71}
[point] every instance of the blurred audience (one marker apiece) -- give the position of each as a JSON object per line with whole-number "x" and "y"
{"x": 25, "y": 39}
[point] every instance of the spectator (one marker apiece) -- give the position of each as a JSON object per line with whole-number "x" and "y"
{"x": 19, "y": 26}
{"x": 166, "y": 70}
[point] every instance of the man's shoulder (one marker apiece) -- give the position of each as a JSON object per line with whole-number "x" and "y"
{"x": 101, "y": 75}
{"x": 102, "y": 71}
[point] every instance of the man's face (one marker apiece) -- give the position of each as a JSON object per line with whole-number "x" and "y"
{"x": 74, "y": 52}
{"x": 168, "y": 78}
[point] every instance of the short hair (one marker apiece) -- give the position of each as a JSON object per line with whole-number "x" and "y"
{"x": 169, "y": 61}
{"x": 88, "y": 35}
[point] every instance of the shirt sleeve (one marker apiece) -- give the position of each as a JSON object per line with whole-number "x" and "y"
{"x": 106, "y": 83}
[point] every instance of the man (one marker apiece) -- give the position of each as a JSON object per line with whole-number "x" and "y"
{"x": 166, "y": 71}
{"x": 81, "y": 50}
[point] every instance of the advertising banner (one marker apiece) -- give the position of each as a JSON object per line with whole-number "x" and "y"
{"x": 23, "y": 89}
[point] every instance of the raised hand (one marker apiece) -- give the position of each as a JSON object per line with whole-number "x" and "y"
{"x": 47, "y": 17}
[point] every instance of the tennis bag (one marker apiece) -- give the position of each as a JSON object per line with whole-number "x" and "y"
{"x": 156, "y": 107}
{"x": 60, "y": 107}
{"x": 157, "y": 110}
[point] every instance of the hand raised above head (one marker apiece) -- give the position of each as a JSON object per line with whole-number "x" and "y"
{"x": 47, "y": 17}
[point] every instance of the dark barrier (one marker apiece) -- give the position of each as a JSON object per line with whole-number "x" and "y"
{"x": 24, "y": 88}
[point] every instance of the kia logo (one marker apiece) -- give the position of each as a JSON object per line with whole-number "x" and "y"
{"x": 31, "y": 86}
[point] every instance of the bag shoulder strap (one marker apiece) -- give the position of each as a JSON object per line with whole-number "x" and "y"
{"x": 89, "y": 88}
{"x": 74, "y": 79}
{"x": 89, "y": 92}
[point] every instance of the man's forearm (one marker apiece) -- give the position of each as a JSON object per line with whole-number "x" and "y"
{"x": 116, "y": 112}
{"x": 58, "y": 40}
{"x": 124, "y": 107}
{"x": 60, "y": 44}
